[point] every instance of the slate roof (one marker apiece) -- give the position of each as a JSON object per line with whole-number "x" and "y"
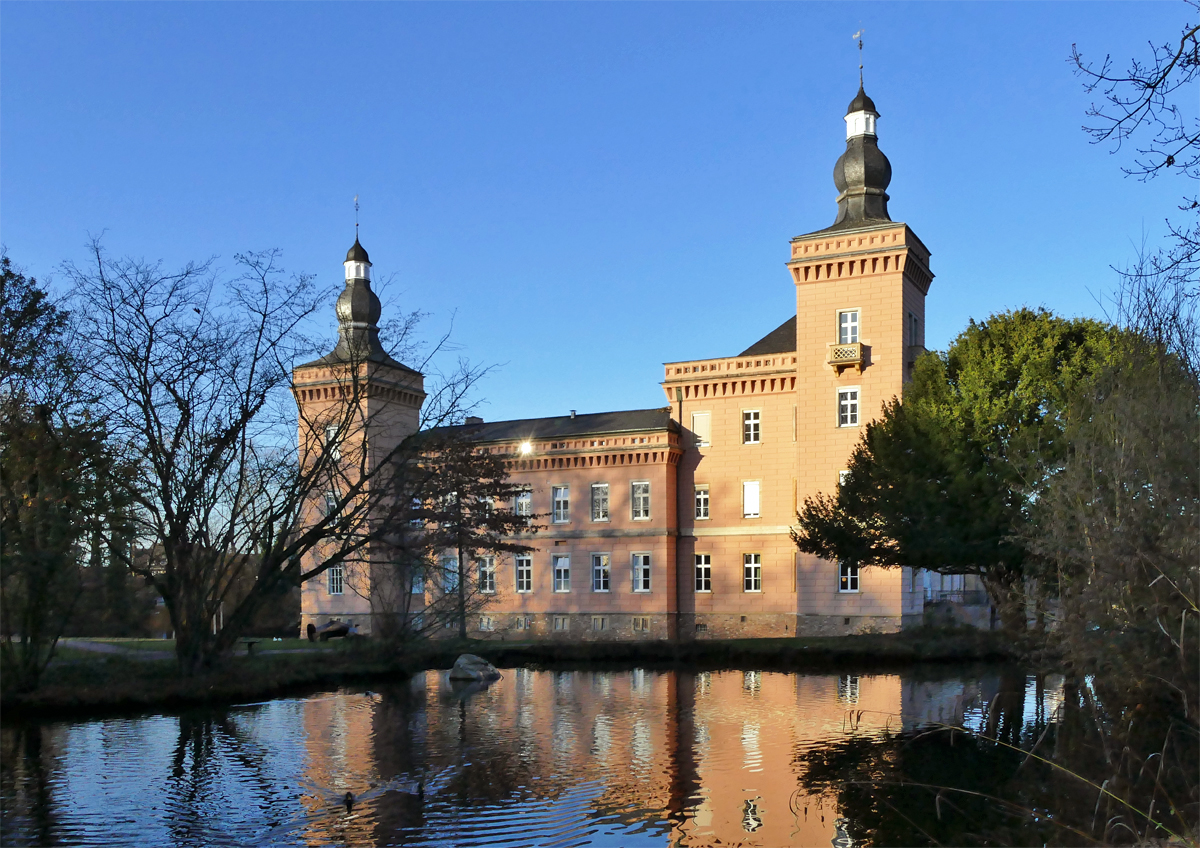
{"x": 563, "y": 426}
{"x": 780, "y": 340}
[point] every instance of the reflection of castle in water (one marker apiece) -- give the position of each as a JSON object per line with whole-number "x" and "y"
{"x": 659, "y": 757}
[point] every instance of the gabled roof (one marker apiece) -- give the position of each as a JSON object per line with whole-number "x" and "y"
{"x": 780, "y": 340}
{"x": 562, "y": 426}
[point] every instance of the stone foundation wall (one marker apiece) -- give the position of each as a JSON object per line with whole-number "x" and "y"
{"x": 573, "y": 627}
{"x": 846, "y": 625}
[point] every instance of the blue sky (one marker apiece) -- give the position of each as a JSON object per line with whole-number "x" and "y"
{"x": 590, "y": 189}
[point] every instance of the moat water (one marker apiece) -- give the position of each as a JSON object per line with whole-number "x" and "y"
{"x": 539, "y": 758}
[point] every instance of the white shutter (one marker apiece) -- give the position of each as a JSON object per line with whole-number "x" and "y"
{"x": 702, "y": 428}
{"x": 750, "y": 499}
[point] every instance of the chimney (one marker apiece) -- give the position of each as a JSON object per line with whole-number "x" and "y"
{"x": 473, "y": 419}
{"x": 572, "y": 413}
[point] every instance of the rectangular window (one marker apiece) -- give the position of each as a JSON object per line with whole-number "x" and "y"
{"x": 418, "y": 581}
{"x": 751, "y": 572}
{"x": 416, "y": 510}
{"x": 702, "y": 428}
{"x": 562, "y": 504}
{"x": 521, "y": 622}
{"x": 599, "y": 502}
{"x": 751, "y": 432}
{"x": 702, "y": 502}
{"x": 487, "y": 575}
{"x": 331, "y": 443}
{"x": 641, "y": 572}
{"x": 562, "y": 573}
{"x": 848, "y": 407}
{"x": 640, "y": 500}
{"x": 641, "y": 624}
{"x": 561, "y": 622}
{"x": 750, "y": 499}
{"x": 847, "y": 578}
{"x": 336, "y": 577}
{"x": 524, "y": 573}
{"x": 703, "y": 572}
{"x": 524, "y": 504}
{"x": 331, "y": 503}
{"x": 600, "y": 573}
{"x": 486, "y": 623}
{"x": 914, "y": 330}
{"x": 848, "y": 326}
{"x": 843, "y": 476}
{"x": 449, "y": 575}
{"x": 599, "y": 622}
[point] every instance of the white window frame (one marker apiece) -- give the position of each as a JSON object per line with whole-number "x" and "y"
{"x": 523, "y": 504}
{"x": 332, "y": 444}
{"x": 698, "y": 429}
{"x": 639, "y": 503}
{"x": 521, "y": 622}
{"x": 751, "y": 426}
{"x": 601, "y": 573}
{"x": 849, "y": 332}
{"x": 336, "y": 579}
{"x": 561, "y": 505}
{"x": 561, "y": 564}
{"x": 331, "y": 503}
{"x": 603, "y": 513}
{"x": 487, "y": 575}
{"x": 418, "y": 581}
{"x": 487, "y": 623}
{"x": 752, "y": 573}
{"x": 703, "y": 574}
{"x": 853, "y": 413}
{"x": 523, "y": 567}
{"x": 756, "y": 487}
{"x": 849, "y": 579}
{"x": 702, "y": 502}
{"x": 642, "y": 572}
{"x": 843, "y": 476}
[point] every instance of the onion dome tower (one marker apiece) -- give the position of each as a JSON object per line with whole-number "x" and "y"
{"x": 358, "y": 312}
{"x": 356, "y": 406}
{"x": 862, "y": 172}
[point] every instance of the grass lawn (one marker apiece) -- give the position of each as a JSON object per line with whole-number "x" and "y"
{"x": 168, "y": 645}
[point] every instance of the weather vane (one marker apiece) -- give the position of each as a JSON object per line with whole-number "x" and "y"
{"x": 858, "y": 35}
{"x": 356, "y": 217}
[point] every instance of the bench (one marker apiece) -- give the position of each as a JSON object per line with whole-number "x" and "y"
{"x": 249, "y": 643}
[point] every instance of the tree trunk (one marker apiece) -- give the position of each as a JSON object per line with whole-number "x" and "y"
{"x": 462, "y": 596}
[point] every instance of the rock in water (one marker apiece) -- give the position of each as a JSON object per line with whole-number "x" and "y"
{"x": 471, "y": 667}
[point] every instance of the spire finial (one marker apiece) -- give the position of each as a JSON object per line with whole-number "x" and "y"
{"x": 356, "y": 217}
{"x": 858, "y": 35}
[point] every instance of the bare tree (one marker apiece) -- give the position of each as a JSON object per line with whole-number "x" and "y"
{"x": 1159, "y": 294}
{"x": 194, "y": 374}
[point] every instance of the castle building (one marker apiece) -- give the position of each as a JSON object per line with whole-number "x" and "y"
{"x": 674, "y": 522}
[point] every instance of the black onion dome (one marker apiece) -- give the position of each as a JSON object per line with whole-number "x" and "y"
{"x": 861, "y": 103}
{"x": 862, "y": 174}
{"x": 357, "y": 253}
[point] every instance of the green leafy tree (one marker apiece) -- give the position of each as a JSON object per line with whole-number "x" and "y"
{"x": 943, "y": 480}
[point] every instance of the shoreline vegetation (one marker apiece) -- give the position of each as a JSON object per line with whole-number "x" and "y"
{"x": 84, "y": 684}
